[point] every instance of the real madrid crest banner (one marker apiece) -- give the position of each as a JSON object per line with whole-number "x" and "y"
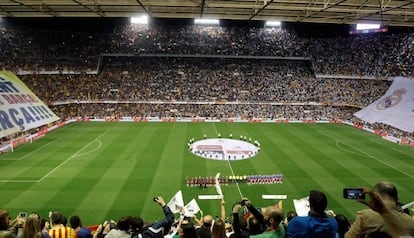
{"x": 395, "y": 107}
{"x": 20, "y": 108}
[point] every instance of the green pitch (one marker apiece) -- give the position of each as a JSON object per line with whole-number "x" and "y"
{"x": 107, "y": 170}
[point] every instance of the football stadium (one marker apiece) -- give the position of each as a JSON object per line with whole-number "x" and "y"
{"x": 101, "y": 118}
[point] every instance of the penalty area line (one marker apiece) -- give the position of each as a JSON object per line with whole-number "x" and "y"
{"x": 26, "y": 155}
{"x": 370, "y": 156}
{"x": 72, "y": 156}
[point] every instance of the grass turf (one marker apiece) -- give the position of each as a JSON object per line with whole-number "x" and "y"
{"x": 101, "y": 170}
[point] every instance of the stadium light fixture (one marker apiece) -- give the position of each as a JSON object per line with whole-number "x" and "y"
{"x": 139, "y": 20}
{"x": 364, "y": 26}
{"x": 206, "y": 21}
{"x": 273, "y": 23}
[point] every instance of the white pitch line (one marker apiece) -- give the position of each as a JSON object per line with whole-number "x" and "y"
{"x": 24, "y": 156}
{"x": 71, "y": 157}
{"x": 93, "y": 150}
{"x": 215, "y": 128}
{"x": 237, "y": 184}
{"x": 370, "y": 156}
{"x": 379, "y": 143}
{"x": 18, "y": 181}
{"x": 231, "y": 168}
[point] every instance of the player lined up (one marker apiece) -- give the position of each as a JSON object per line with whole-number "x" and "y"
{"x": 205, "y": 182}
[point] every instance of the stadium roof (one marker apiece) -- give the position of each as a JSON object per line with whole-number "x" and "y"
{"x": 390, "y": 12}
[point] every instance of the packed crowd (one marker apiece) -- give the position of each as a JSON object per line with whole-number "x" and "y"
{"x": 204, "y": 87}
{"x": 384, "y": 217}
{"x": 207, "y": 79}
{"x": 211, "y": 71}
{"x": 375, "y": 55}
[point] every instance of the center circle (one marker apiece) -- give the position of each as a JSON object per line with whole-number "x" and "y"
{"x": 224, "y": 149}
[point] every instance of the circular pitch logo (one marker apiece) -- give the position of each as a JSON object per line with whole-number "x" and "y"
{"x": 224, "y": 149}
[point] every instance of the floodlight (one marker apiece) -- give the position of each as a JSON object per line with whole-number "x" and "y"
{"x": 273, "y": 23}
{"x": 206, "y": 21}
{"x": 363, "y": 26}
{"x": 139, "y": 20}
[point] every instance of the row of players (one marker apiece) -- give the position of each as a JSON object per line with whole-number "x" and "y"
{"x": 226, "y": 180}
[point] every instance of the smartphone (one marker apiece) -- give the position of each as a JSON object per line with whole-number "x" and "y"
{"x": 23, "y": 215}
{"x": 353, "y": 193}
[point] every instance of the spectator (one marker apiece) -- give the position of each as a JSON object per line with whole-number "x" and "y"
{"x": 369, "y": 222}
{"x": 204, "y": 231}
{"x": 219, "y": 229}
{"x": 4, "y": 220}
{"x": 32, "y": 227}
{"x": 104, "y": 229}
{"x": 44, "y": 225}
{"x": 289, "y": 216}
{"x": 76, "y": 224}
{"x": 58, "y": 229}
{"x": 159, "y": 228}
{"x": 122, "y": 229}
{"x": 316, "y": 224}
{"x": 6, "y": 224}
{"x": 396, "y": 227}
{"x": 239, "y": 223}
{"x": 136, "y": 225}
{"x": 186, "y": 229}
{"x": 270, "y": 221}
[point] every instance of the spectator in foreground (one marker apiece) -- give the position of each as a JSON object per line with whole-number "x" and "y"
{"x": 219, "y": 229}
{"x": 270, "y": 219}
{"x": 104, "y": 229}
{"x": 204, "y": 231}
{"x": 122, "y": 230}
{"x": 32, "y": 227}
{"x": 383, "y": 204}
{"x": 58, "y": 229}
{"x": 76, "y": 224}
{"x": 44, "y": 225}
{"x": 6, "y": 224}
{"x": 159, "y": 228}
{"x": 317, "y": 223}
{"x": 289, "y": 216}
{"x": 239, "y": 223}
{"x": 4, "y": 220}
{"x": 136, "y": 225}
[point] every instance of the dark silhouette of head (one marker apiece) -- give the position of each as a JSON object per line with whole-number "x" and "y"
{"x": 290, "y": 215}
{"x": 254, "y": 226}
{"x": 56, "y": 218}
{"x": 387, "y": 191}
{"x": 317, "y": 201}
{"x": 75, "y": 222}
{"x": 124, "y": 223}
{"x": 136, "y": 224}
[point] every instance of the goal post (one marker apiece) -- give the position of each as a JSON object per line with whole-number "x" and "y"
{"x": 23, "y": 139}
{"x": 16, "y": 141}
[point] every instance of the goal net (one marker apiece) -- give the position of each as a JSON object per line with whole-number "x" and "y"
{"x": 13, "y": 142}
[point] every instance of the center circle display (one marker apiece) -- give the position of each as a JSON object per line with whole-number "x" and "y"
{"x": 224, "y": 149}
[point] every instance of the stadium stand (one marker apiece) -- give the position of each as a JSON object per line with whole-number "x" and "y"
{"x": 149, "y": 71}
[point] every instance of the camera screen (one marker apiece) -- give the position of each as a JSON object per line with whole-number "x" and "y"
{"x": 353, "y": 193}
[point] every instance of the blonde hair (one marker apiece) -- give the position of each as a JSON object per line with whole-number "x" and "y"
{"x": 31, "y": 227}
